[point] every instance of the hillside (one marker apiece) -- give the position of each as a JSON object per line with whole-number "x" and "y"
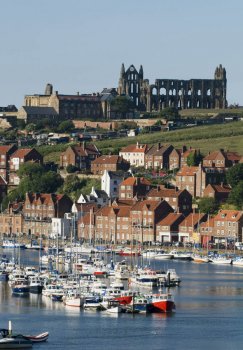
{"x": 207, "y": 138}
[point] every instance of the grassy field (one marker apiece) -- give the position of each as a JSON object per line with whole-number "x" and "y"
{"x": 227, "y": 136}
{"x": 207, "y": 138}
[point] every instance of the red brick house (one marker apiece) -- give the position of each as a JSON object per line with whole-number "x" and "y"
{"x": 219, "y": 192}
{"x": 221, "y": 159}
{"x": 40, "y": 208}
{"x": 228, "y": 224}
{"x": 20, "y": 157}
{"x": 167, "y": 229}
{"x": 109, "y": 163}
{"x": 175, "y": 159}
{"x": 134, "y": 186}
{"x": 179, "y": 200}
{"x": 113, "y": 223}
{"x": 145, "y": 215}
{"x": 157, "y": 157}
{"x": 79, "y": 156}
{"x": 195, "y": 179}
{"x": 189, "y": 228}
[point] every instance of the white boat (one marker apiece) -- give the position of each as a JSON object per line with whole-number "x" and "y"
{"x": 180, "y": 255}
{"x": 145, "y": 278}
{"x": 111, "y": 306}
{"x": 221, "y": 260}
{"x": 237, "y": 261}
{"x": 149, "y": 253}
{"x": 162, "y": 255}
{"x": 12, "y": 244}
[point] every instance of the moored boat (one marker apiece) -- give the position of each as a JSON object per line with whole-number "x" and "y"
{"x": 161, "y": 303}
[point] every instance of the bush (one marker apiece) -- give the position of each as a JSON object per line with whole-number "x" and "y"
{"x": 71, "y": 168}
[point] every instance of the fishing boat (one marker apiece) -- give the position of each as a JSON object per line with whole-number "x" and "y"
{"x": 163, "y": 303}
{"x": 125, "y": 297}
{"x": 145, "y": 278}
{"x": 238, "y": 261}
{"x": 35, "y": 285}
{"x": 20, "y": 287}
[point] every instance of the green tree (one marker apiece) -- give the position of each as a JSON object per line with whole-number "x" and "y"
{"x": 71, "y": 168}
{"x": 194, "y": 158}
{"x": 234, "y": 174}
{"x": 236, "y": 196}
{"x": 169, "y": 113}
{"x": 30, "y": 170}
{"x": 30, "y": 127}
{"x": 208, "y": 205}
{"x": 65, "y": 126}
{"x": 122, "y": 105}
{"x": 72, "y": 183}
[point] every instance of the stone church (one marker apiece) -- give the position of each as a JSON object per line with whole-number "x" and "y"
{"x": 181, "y": 94}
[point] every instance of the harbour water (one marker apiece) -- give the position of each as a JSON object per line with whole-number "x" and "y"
{"x": 209, "y": 315}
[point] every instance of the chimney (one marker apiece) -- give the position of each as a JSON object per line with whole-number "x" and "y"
{"x": 159, "y": 145}
{"x": 184, "y": 148}
{"x": 137, "y": 146}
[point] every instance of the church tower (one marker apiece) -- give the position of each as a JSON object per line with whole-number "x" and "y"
{"x": 130, "y": 83}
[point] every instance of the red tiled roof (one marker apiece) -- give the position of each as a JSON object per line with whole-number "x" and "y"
{"x": 163, "y": 192}
{"x": 145, "y": 204}
{"x": 21, "y": 153}
{"x": 110, "y": 159}
{"x": 157, "y": 150}
{"x": 228, "y": 215}
{"x": 187, "y": 171}
{"x": 120, "y": 211}
{"x": 135, "y": 148}
{"x": 170, "y": 219}
{"x": 132, "y": 181}
{"x": 85, "y": 150}
{"x": 192, "y": 219}
{"x": 5, "y": 148}
{"x": 220, "y": 189}
{"x": 44, "y": 198}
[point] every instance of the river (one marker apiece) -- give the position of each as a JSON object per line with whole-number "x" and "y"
{"x": 209, "y": 315}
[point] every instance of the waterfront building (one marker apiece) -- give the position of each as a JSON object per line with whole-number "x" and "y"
{"x": 189, "y": 228}
{"x": 167, "y": 229}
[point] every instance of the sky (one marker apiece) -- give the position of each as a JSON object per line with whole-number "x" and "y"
{"x": 79, "y": 45}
